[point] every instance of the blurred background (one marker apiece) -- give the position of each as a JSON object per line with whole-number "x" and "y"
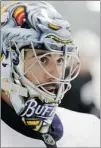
{"x": 84, "y": 17}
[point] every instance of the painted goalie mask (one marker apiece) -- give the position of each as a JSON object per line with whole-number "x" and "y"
{"x": 35, "y": 41}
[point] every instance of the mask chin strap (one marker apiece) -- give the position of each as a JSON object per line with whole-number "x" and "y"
{"x": 12, "y": 87}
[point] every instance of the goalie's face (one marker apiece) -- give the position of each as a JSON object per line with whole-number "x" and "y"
{"x": 50, "y": 70}
{"x": 33, "y": 69}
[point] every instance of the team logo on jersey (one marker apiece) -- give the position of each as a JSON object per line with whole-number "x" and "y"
{"x": 48, "y": 139}
{"x": 33, "y": 109}
{"x": 38, "y": 116}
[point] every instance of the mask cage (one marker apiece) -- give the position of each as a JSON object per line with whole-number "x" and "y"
{"x": 70, "y": 68}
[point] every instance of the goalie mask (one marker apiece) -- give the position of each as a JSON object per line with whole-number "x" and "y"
{"x": 38, "y": 61}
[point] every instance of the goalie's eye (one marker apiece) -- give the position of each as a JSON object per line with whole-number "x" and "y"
{"x": 44, "y": 60}
{"x": 60, "y": 61}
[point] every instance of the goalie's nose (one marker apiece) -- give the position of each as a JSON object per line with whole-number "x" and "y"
{"x": 52, "y": 70}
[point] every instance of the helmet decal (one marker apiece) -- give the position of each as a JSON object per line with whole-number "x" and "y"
{"x": 19, "y": 15}
{"x": 54, "y": 27}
